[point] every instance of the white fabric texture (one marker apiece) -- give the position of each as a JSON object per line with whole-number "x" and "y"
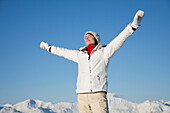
{"x": 92, "y": 69}
{"x": 44, "y": 45}
{"x": 137, "y": 19}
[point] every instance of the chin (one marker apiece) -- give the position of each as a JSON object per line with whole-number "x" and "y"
{"x": 87, "y": 44}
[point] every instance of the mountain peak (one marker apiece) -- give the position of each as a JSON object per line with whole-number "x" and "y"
{"x": 31, "y": 103}
{"x": 30, "y": 100}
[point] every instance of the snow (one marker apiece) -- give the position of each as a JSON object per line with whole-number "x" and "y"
{"x": 116, "y": 105}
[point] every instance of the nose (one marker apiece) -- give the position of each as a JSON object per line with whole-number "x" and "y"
{"x": 86, "y": 38}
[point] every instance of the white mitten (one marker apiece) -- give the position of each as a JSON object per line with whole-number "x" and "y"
{"x": 45, "y": 45}
{"x": 137, "y": 19}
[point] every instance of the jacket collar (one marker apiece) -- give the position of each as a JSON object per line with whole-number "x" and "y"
{"x": 99, "y": 46}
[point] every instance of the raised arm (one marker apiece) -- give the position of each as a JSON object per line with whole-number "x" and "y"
{"x": 116, "y": 43}
{"x": 63, "y": 52}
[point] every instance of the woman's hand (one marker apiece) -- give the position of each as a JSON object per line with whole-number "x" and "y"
{"x": 44, "y": 45}
{"x": 137, "y": 19}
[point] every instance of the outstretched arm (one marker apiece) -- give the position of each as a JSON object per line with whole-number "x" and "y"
{"x": 116, "y": 43}
{"x": 63, "y": 52}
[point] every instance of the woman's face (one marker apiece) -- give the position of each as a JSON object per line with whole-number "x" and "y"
{"x": 89, "y": 39}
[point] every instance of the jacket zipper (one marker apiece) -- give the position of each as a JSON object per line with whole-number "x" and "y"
{"x": 90, "y": 73}
{"x": 90, "y": 69}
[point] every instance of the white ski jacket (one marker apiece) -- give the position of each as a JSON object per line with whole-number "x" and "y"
{"x": 92, "y": 69}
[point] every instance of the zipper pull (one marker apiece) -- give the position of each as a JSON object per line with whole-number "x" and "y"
{"x": 98, "y": 77}
{"x": 89, "y": 56}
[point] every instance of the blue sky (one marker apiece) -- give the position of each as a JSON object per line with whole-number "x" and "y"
{"x": 139, "y": 71}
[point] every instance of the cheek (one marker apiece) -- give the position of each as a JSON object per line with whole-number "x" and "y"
{"x": 92, "y": 40}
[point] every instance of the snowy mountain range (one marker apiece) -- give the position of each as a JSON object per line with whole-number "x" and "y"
{"x": 116, "y": 105}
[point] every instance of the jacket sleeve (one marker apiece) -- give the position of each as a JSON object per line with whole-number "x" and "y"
{"x": 117, "y": 42}
{"x": 66, "y": 53}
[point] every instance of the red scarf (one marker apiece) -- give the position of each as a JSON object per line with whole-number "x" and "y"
{"x": 90, "y": 48}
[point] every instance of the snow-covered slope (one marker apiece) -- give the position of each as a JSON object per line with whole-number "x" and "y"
{"x": 119, "y": 105}
{"x": 37, "y": 106}
{"x": 116, "y": 105}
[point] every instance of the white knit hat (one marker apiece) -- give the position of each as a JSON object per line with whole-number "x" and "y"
{"x": 96, "y": 36}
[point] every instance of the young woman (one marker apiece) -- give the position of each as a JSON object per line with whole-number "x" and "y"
{"x": 93, "y": 60}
